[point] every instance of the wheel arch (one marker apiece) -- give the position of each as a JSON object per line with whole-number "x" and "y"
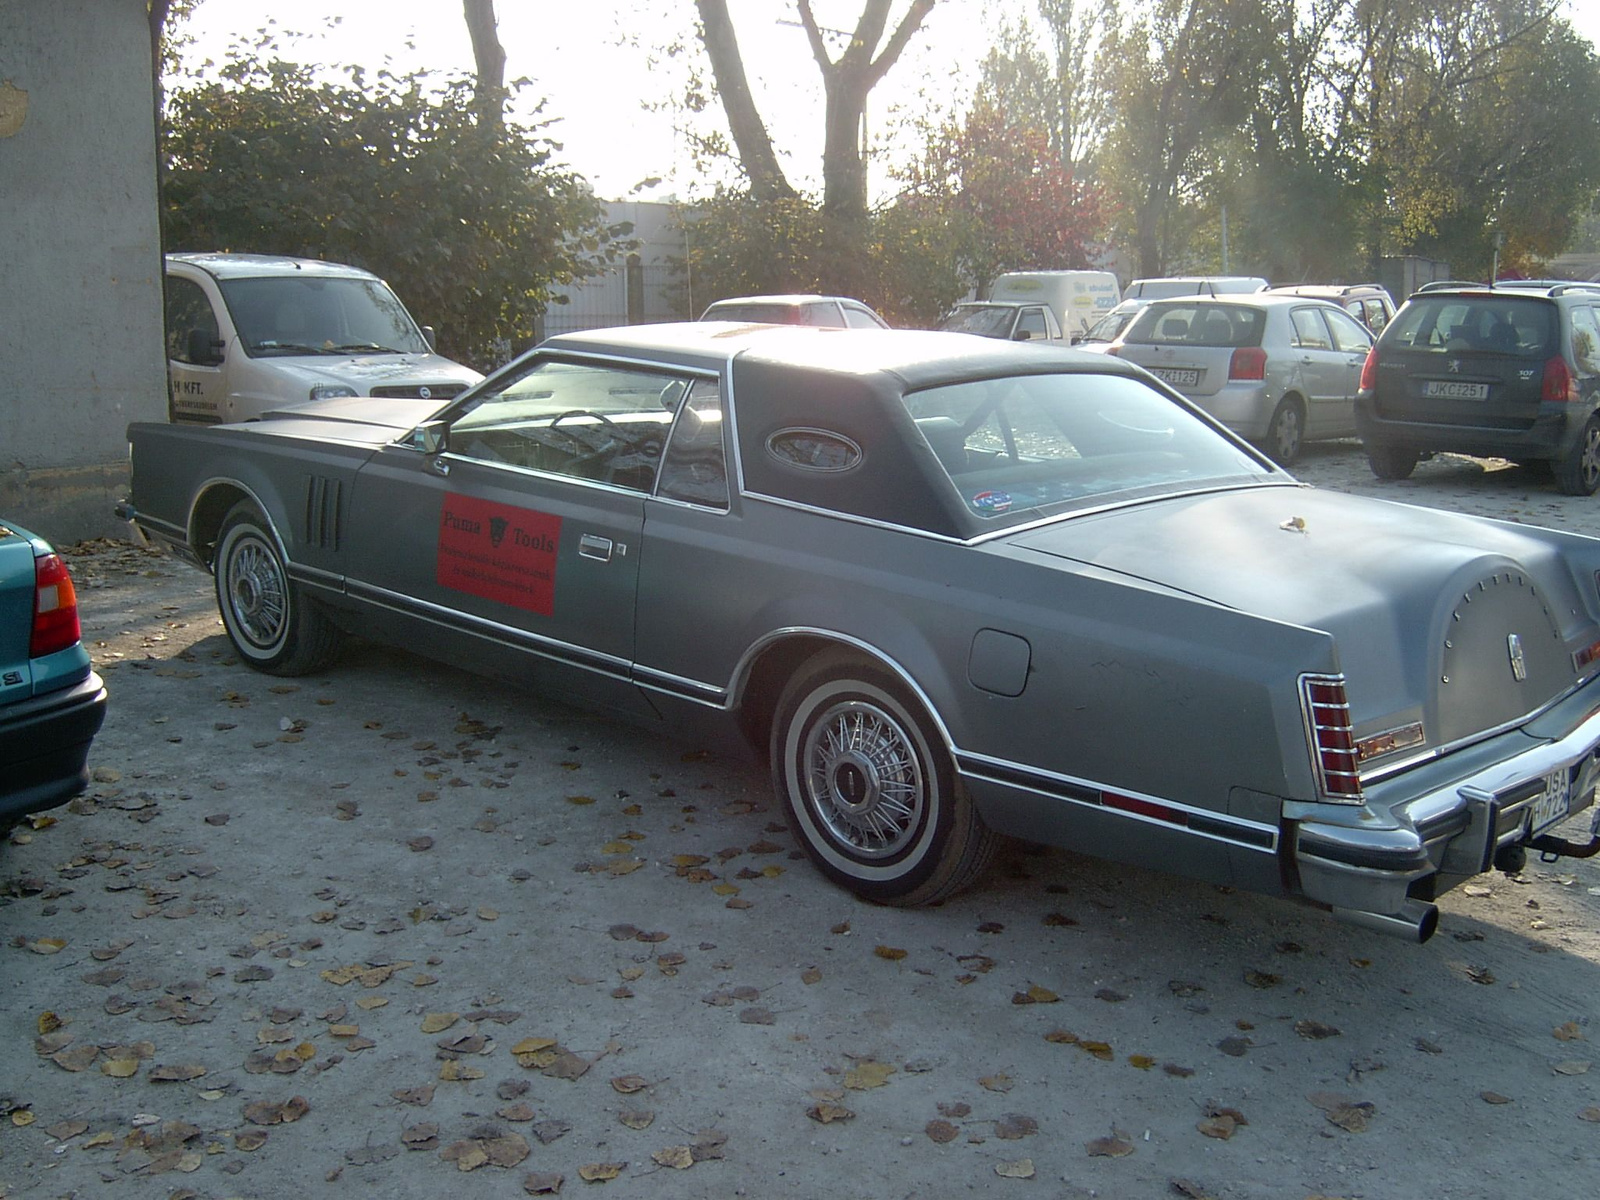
{"x": 214, "y": 500}
{"x": 769, "y": 664}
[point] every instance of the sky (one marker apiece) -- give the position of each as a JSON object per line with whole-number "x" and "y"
{"x": 591, "y": 61}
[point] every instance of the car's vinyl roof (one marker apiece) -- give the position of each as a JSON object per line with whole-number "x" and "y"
{"x": 920, "y": 358}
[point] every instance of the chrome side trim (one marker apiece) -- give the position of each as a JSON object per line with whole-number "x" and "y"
{"x": 852, "y": 518}
{"x": 330, "y": 581}
{"x": 505, "y": 635}
{"x": 1203, "y": 823}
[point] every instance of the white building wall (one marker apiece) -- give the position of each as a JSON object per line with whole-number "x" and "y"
{"x": 81, "y": 349}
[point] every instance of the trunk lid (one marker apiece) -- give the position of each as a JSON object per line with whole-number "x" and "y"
{"x": 1462, "y": 623}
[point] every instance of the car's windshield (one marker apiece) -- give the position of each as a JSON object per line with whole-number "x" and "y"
{"x": 989, "y": 320}
{"x": 311, "y": 314}
{"x": 1108, "y": 326}
{"x": 1011, "y": 446}
{"x": 1198, "y": 324}
{"x": 1518, "y": 326}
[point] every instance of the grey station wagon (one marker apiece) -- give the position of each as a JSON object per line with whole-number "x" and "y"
{"x": 950, "y": 587}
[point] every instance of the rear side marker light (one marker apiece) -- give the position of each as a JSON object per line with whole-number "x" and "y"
{"x": 55, "y": 607}
{"x": 1326, "y": 711}
{"x": 1248, "y": 363}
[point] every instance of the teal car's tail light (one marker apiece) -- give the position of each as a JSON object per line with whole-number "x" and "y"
{"x": 55, "y": 607}
{"x": 1333, "y": 748}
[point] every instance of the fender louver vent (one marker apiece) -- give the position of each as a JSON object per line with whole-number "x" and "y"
{"x": 323, "y": 509}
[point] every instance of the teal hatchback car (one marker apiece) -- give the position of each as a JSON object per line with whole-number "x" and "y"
{"x": 51, "y": 700}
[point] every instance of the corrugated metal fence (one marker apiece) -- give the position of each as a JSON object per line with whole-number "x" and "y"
{"x": 637, "y": 294}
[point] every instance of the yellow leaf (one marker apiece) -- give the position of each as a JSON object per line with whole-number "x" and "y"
{"x": 772, "y": 870}
{"x": 726, "y": 889}
{"x": 892, "y": 953}
{"x": 371, "y": 1002}
{"x": 119, "y": 1068}
{"x": 343, "y": 1031}
{"x": 439, "y": 1022}
{"x": 1100, "y": 1050}
{"x": 1570, "y": 1032}
{"x": 1021, "y": 1169}
{"x": 1042, "y": 995}
{"x": 305, "y": 1051}
{"x": 677, "y": 1157}
{"x": 103, "y": 1138}
{"x": 624, "y": 868}
{"x": 868, "y": 1075}
{"x": 485, "y": 913}
{"x": 617, "y": 848}
{"x": 49, "y": 1023}
{"x": 580, "y": 799}
{"x": 533, "y": 1045}
{"x": 48, "y": 945}
{"x": 1143, "y": 1061}
{"x": 600, "y": 1172}
{"x": 23, "y": 1116}
{"x": 454, "y": 1072}
{"x": 1061, "y": 1037}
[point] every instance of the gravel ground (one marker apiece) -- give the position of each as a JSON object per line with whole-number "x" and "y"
{"x": 391, "y": 930}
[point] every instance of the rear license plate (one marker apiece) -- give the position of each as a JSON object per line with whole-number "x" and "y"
{"x": 1553, "y": 804}
{"x": 1178, "y": 376}
{"x": 1450, "y": 389}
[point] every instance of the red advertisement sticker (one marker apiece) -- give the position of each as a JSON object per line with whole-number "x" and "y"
{"x": 499, "y": 552}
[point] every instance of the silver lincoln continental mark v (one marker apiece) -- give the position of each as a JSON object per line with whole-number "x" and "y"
{"x": 951, "y": 588}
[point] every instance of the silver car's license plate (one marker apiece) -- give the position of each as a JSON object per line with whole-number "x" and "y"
{"x": 1450, "y": 389}
{"x": 1552, "y": 805}
{"x": 1178, "y": 376}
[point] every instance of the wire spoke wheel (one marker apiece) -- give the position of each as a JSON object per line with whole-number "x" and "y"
{"x": 863, "y": 780}
{"x": 257, "y": 592}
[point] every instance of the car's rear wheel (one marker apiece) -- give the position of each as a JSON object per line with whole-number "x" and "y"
{"x": 871, "y": 790}
{"x": 1391, "y": 462}
{"x": 1285, "y": 432}
{"x": 1578, "y": 474}
{"x": 270, "y": 622}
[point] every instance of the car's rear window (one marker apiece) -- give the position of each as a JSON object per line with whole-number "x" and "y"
{"x": 1519, "y": 326}
{"x": 1012, "y": 446}
{"x": 1205, "y": 324}
{"x": 987, "y": 320}
{"x": 770, "y": 314}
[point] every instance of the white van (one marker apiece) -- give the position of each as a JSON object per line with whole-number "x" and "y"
{"x": 1078, "y": 298}
{"x": 251, "y": 332}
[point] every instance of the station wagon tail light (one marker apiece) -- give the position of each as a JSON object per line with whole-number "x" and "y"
{"x": 55, "y": 607}
{"x": 1248, "y": 363}
{"x": 1559, "y": 387}
{"x": 1326, "y": 710}
{"x": 1369, "y": 371}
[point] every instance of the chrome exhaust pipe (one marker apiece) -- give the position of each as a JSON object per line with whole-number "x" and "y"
{"x": 1416, "y": 921}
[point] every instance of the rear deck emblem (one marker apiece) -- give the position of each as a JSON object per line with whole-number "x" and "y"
{"x": 1519, "y": 665}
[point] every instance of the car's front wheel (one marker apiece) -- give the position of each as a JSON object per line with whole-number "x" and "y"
{"x": 870, "y": 787}
{"x": 1578, "y": 474}
{"x": 1392, "y": 462}
{"x": 272, "y": 625}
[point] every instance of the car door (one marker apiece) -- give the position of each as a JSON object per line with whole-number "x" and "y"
{"x": 1321, "y": 369}
{"x": 195, "y": 349}
{"x": 1352, "y": 340}
{"x": 1031, "y": 325}
{"x": 520, "y": 538}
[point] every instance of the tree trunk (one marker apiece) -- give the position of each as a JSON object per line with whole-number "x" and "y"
{"x": 750, "y": 137}
{"x": 490, "y": 57}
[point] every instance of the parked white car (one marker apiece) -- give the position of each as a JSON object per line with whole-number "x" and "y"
{"x": 247, "y": 333}
{"x": 1007, "y": 320}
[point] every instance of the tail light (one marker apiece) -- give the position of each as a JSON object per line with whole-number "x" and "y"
{"x": 55, "y": 607}
{"x": 1332, "y": 743}
{"x": 1248, "y": 363}
{"x": 1559, "y": 387}
{"x": 1369, "y": 371}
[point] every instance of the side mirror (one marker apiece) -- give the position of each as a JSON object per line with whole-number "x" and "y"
{"x": 203, "y": 349}
{"x": 432, "y": 338}
{"x": 431, "y": 437}
{"x": 1022, "y": 335}
{"x": 1075, "y": 339}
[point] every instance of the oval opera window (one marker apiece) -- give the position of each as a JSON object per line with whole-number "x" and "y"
{"x": 814, "y": 449}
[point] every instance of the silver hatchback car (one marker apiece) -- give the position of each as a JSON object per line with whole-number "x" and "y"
{"x": 1278, "y": 370}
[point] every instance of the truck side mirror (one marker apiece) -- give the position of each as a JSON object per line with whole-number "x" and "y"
{"x": 432, "y": 338}
{"x": 204, "y": 348}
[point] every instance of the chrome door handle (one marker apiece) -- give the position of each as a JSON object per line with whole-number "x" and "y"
{"x": 593, "y": 546}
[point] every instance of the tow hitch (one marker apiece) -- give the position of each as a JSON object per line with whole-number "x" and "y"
{"x": 1551, "y": 848}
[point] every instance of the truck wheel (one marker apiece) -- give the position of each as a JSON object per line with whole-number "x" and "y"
{"x": 1578, "y": 474}
{"x": 872, "y": 792}
{"x": 269, "y": 620}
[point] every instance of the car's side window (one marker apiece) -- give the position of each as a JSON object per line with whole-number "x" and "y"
{"x": 1377, "y": 316}
{"x": 187, "y": 309}
{"x": 1586, "y": 339}
{"x": 695, "y": 466}
{"x": 1348, "y": 335}
{"x": 1030, "y": 324}
{"x": 1310, "y": 332}
{"x": 825, "y": 313}
{"x": 860, "y": 318}
{"x": 593, "y": 421}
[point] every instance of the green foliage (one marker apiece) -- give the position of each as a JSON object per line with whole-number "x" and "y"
{"x": 471, "y": 226}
